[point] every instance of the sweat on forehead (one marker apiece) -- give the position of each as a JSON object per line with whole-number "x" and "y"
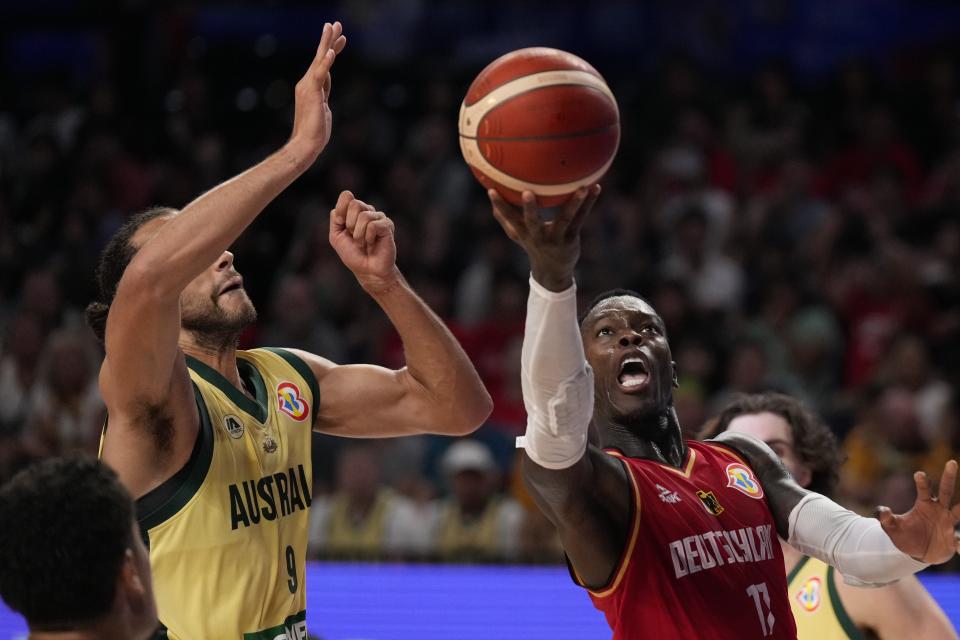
{"x": 617, "y": 298}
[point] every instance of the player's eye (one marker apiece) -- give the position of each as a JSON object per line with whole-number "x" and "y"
{"x": 604, "y": 331}
{"x": 650, "y": 328}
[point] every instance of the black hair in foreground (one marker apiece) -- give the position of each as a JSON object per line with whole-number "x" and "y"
{"x": 65, "y": 526}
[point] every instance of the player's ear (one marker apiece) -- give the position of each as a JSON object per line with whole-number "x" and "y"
{"x": 134, "y": 590}
{"x": 676, "y": 374}
{"x": 131, "y": 582}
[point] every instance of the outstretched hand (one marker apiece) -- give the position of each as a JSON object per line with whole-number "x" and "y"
{"x": 926, "y": 532}
{"x": 312, "y": 118}
{"x": 553, "y": 246}
{"x": 363, "y": 238}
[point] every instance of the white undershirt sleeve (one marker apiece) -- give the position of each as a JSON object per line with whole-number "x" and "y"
{"x": 855, "y": 546}
{"x": 556, "y": 379}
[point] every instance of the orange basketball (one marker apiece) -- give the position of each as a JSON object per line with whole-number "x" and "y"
{"x": 539, "y": 119}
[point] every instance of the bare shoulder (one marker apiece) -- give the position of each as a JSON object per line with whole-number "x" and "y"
{"x": 319, "y": 365}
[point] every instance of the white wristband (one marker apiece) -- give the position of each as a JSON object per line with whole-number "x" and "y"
{"x": 557, "y": 382}
{"x": 855, "y": 546}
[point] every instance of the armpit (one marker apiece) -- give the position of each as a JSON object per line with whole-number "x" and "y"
{"x": 157, "y": 421}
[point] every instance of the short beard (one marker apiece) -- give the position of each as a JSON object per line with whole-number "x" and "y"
{"x": 216, "y": 330}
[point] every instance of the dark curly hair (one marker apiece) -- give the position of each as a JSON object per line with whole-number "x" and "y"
{"x": 113, "y": 262}
{"x": 65, "y": 526}
{"x": 814, "y": 442}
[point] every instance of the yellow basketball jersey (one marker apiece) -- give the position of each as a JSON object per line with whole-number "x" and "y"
{"x": 816, "y": 604}
{"x": 228, "y": 533}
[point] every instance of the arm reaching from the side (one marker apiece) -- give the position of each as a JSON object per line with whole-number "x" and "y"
{"x": 866, "y": 551}
{"x": 438, "y": 391}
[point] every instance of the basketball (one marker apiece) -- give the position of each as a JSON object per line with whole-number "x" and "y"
{"x": 539, "y": 119}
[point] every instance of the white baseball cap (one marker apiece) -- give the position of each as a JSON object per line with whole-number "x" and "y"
{"x": 467, "y": 455}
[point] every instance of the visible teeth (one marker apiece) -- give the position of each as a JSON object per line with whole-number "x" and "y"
{"x": 639, "y": 361}
{"x": 634, "y": 381}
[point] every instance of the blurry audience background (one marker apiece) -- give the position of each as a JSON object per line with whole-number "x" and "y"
{"x": 787, "y": 194}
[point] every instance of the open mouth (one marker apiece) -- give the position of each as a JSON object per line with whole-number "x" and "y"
{"x": 633, "y": 374}
{"x": 233, "y": 285}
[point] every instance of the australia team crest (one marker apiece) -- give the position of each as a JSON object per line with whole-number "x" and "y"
{"x": 741, "y": 478}
{"x": 290, "y": 402}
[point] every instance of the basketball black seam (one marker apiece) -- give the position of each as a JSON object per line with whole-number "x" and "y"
{"x": 579, "y": 134}
{"x": 531, "y": 90}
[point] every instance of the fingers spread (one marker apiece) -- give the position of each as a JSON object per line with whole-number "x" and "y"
{"x": 947, "y": 482}
{"x": 570, "y": 212}
{"x": 506, "y": 225}
{"x": 923, "y": 486}
{"x": 888, "y": 520}
{"x": 505, "y": 209}
{"x": 586, "y": 207}
{"x": 531, "y": 216}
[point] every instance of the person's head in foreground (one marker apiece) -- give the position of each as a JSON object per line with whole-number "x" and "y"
{"x": 71, "y": 558}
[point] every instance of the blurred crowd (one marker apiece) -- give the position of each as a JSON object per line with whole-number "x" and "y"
{"x": 795, "y": 236}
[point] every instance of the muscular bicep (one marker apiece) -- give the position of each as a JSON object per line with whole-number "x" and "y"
{"x": 781, "y": 490}
{"x": 368, "y": 401}
{"x": 592, "y": 506}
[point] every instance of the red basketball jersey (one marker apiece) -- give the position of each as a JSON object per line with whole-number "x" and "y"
{"x": 702, "y": 559}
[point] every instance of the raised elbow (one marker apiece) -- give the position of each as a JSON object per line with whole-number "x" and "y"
{"x": 144, "y": 279}
{"x": 472, "y": 414}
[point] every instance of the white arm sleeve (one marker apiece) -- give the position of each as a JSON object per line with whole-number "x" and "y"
{"x": 855, "y": 546}
{"x": 556, "y": 379}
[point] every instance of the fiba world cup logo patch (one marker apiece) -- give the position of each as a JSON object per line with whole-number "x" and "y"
{"x": 741, "y": 478}
{"x": 809, "y": 595}
{"x": 291, "y": 403}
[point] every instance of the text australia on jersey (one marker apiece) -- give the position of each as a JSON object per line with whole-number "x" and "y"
{"x": 271, "y": 497}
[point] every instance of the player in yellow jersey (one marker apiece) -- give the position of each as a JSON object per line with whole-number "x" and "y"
{"x": 824, "y": 606}
{"x": 214, "y": 442}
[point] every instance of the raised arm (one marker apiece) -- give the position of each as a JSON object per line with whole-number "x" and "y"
{"x": 438, "y": 391}
{"x": 582, "y": 491}
{"x": 143, "y": 377}
{"x": 867, "y": 551}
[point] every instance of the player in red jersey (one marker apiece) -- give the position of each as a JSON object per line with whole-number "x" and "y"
{"x": 672, "y": 539}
